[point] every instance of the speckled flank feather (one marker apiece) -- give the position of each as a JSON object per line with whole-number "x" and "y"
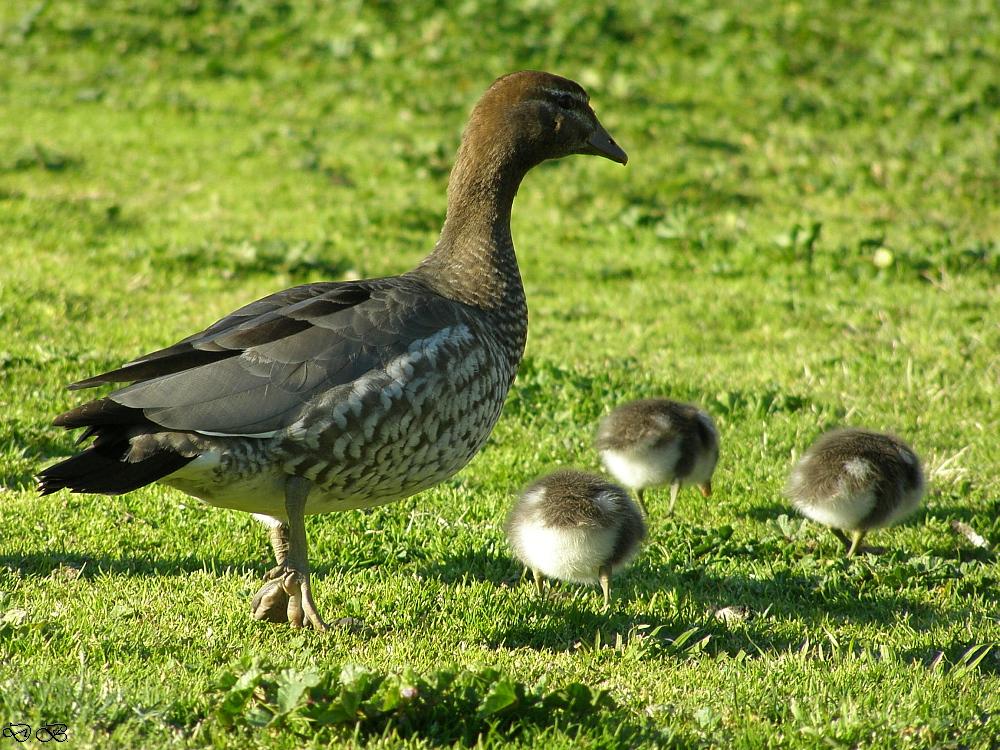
{"x": 385, "y": 436}
{"x": 854, "y": 479}
{"x": 652, "y": 442}
{"x": 569, "y": 524}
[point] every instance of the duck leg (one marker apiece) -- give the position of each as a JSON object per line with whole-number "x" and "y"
{"x": 301, "y": 606}
{"x": 604, "y": 576}
{"x": 288, "y": 583}
{"x": 642, "y": 504}
{"x": 270, "y": 603}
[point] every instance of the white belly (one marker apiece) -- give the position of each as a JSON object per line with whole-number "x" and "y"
{"x": 264, "y": 492}
{"x": 844, "y": 511}
{"x": 643, "y": 468}
{"x": 566, "y": 554}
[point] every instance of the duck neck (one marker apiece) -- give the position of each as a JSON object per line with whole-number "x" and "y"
{"x": 473, "y": 261}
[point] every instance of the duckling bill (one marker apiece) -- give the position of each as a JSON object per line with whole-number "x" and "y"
{"x": 853, "y": 480}
{"x": 575, "y": 526}
{"x": 654, "y": 442}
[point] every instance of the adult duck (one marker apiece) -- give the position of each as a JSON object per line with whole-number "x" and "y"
{"x": 338, "y": 395}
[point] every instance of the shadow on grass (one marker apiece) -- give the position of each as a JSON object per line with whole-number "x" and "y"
{"x": 570, "y": 617}
{"x": 44, "y": 564}
{"x": 568, "y": 621}
{"x": 770, "y": 511}
{"x": 48, "y": 563}
{"x": 956, "y": 656}
{"x": 955, "y": 544}
{"x": 812, "y": 598}
{"x": 475, "y": 565}
{"x": 561, "y": 622}
{"x": 957, "y": 549}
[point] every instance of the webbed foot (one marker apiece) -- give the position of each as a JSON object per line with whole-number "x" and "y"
{"x": 286, "y": 596}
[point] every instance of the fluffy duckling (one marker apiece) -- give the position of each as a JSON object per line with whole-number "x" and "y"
{"x": 576, "y": 527}
{"x": 853, "y": 480}
{"x": 656, "y": 441}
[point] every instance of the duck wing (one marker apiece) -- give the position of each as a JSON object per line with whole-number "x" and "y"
{"x": 252, "y": 372}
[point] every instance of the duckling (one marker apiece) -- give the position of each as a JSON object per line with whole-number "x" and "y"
{"x": 656, "y": 441}
{"x": 855, "y": 480}
{"x": 576, "y": 527}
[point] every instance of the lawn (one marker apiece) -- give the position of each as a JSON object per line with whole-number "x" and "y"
{"x": 806, "y": 235}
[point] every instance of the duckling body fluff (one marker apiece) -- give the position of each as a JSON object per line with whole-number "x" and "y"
{"x": 576, "y": 527}
{"x": 654, "y": 442}
{"x": 853, "y": 480}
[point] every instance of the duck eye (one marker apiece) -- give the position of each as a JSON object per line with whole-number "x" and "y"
{"x": 565, "y": 101}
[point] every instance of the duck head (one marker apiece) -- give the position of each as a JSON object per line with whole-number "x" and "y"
{"x": 531, "y": 116}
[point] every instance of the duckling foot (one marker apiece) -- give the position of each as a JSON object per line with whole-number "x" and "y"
{"x": 539, "y": 582}
{"x": 642, "y": 504}
{"x": 604, "y": 576}
{"x": 852, "y": 542}
{"x": 675, "y": 487}
{"x": 853, "y": 546}
{"x": 842, "y": 537}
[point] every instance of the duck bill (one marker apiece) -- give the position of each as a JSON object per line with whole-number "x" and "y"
{"x": 602, "y": 144}
{"x": 706, "y": 489}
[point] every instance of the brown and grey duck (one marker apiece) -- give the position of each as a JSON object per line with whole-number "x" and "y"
{"x": 575, "y": 526}
{"x": 656, "y": 441}
{"x": 338, "y": 395}
{"x": 855, "y": 480}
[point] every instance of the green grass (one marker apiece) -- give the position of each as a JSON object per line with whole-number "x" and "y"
{"x": 163, "y": 163}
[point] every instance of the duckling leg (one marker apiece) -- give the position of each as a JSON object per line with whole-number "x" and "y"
{"x": 638, "y": 496}
{"x": 675, "y": 487}
{"x": 856, "y": 541}
{"x": 539, "y": 582}
{"x": 604, "y": 576}
{"x": 844, "y": 539}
